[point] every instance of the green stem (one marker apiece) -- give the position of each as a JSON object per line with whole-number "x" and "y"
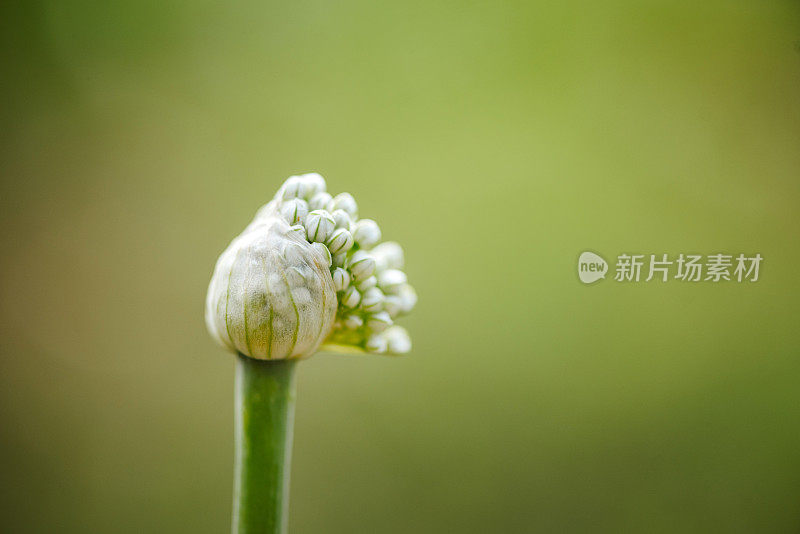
{"x": 265, "y": 395}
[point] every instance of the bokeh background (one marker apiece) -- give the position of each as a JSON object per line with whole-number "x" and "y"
{"x": 496, "y": 141}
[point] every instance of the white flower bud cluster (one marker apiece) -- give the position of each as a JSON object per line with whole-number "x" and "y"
{"x": 372, "y": 289}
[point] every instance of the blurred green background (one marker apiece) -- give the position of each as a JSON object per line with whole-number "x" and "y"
{"x": 496, "y": 141}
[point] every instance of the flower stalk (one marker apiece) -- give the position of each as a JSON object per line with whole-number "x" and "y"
{"x": 264, "y": 424}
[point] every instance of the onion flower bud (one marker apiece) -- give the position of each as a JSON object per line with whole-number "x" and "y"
{"x": 351, "y": 297}
{"x": 319, "y": 225}
{"x": 367, "y": 283}
{"x": 372, "y": 300}
{"x": 271, "y": 295}
{"x": 390, "y": 280}
{"x": 379, "y": 322}
{"x": 295, "y": 211}
{"x": 341, "y": 278}
{"x": 388, "y": 255}
{"x": 320, "y": 200}
{"x": 340, "y": 241}
{"x": 346, "y": 202}
{"x": 342, "y": 219}
{"x": 305, "y": 275}
{"x": 366, "y": 233}
{"x": 361, "y": 265}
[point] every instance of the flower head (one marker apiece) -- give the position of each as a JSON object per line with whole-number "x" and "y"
{"x": 308, "y": 273}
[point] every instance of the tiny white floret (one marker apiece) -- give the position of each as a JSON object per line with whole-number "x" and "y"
{"x": 366, "y": 233}
{"x": 319, "y": 225}
{"x": 351, "y": 297}
{"x": 361, "y": 265}
{"x": 372, "y": 300}
{"x": 341, "y": 279}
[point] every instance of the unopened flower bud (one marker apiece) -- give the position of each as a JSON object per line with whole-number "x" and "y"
{"x": 378, "y": 322}
{"x": 351, "y": 297}
{"x": 390, "y": 280}
{"x": 377, "y": 344}
{"x": 361, "y": 265}
{"x": 346, "y": 202}
{"x": 340, "y": 259}
{"x": 341, "y": 279}
{"x": 367, "y": 283}
{"x": 271, "y": 295}
{"x": 393, "y": 305}
{"x": 398, "y": 341}
{"x": 293, "y": 187}
{"x": 366, "y": 233}
{"x": 408, "y": 298}
{"x": 340, "y": 241}
{"x": 342, "y": 220}
{"x": 313, "y": 183}
{"x": 388, "y": 255}
{"x": 319, "y": 225}
{"x": 353, "y": 322}
{"x": 294, "y": 210}
{"x": 372, "y": 300}
{"x": 292, "y": 280}
{"x": 320, "y": 201}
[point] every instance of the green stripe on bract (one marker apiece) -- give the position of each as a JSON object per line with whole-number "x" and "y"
{"x": 296, "y": 311}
